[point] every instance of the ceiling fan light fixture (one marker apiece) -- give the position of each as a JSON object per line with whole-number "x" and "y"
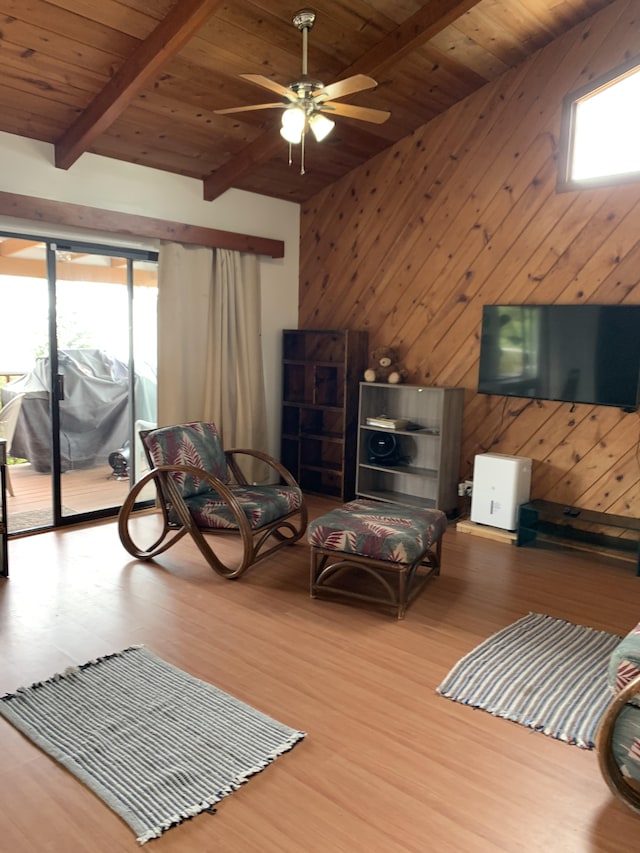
{"x": 321, "y": 126}
{"x": 293, "y": 124}
{"x": 289, "y": 136}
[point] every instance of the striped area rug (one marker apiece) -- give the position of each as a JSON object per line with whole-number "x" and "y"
{"x": 544, "y": 673}
{"x": 157, "y": 745}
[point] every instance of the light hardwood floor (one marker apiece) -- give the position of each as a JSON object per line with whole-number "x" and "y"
{"x": 387, "y": 766}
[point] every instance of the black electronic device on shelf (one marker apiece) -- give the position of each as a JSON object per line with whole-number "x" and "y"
{"x": 382, "y": 449}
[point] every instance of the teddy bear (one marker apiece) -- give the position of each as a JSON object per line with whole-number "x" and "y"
{"x": 385, "y": 367}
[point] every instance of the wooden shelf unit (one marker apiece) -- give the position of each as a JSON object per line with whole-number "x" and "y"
{"x": 321, "y": 373}
{"x": 424, "y": 468}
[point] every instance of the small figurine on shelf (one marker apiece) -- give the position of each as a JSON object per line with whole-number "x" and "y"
{"x": 385, "y": 367}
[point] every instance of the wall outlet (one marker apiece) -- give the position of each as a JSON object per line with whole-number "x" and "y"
{"x": 468, "y": 488}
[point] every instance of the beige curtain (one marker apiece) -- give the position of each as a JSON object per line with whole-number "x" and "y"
{"x": 209, "y": 345}
{"x": 185, "y": 297}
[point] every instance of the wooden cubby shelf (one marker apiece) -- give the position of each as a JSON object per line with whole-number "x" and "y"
{"x": 321, "y": 373}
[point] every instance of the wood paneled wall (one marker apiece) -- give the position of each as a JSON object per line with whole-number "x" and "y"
{"x": 465, "y": 212}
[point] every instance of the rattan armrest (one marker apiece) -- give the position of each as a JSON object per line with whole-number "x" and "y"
{"x": 619, "y": 784}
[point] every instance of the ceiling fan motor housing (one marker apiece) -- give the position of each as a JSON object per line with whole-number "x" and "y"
{"x": 304, "y": 87}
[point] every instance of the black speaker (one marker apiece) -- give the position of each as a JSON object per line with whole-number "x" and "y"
{"x": 382, "y": 448}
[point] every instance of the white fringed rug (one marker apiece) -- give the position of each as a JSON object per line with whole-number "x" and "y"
{"x": 544, "y": 673}
{"x": 156, "y": 744}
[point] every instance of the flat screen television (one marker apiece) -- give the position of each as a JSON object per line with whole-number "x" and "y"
{"x": 573, "y": 353}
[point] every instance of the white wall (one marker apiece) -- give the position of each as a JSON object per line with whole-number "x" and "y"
{"x": 28, "y": 168}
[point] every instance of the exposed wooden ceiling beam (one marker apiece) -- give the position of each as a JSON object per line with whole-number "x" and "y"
{"x": 411, "y": 34}
{"x": 184, "y": 19}
{"x": 93, "y": 218}
{"x": 262, "y": 149}
{"x": 423, "y": 25}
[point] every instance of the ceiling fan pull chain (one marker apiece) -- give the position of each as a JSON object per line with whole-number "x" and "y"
{"x": 302, "y": 153}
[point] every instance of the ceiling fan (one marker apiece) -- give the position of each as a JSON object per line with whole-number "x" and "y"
{"x": 307, "y": 103}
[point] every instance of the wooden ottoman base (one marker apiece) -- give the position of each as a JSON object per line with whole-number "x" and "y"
{"x": 397, "y": 548}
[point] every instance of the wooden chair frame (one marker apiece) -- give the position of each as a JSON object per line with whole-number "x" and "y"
{"x": 256, "y": 544}
{"x": 618, "y": 784}
{"x": 400, "y": 583}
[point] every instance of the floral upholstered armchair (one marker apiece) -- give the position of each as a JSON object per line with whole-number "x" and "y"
{"x": 618, "y": 739}
{"x": 202, "y": 490}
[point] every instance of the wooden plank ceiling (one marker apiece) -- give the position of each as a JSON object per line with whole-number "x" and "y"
{"x": 139, "y": 80}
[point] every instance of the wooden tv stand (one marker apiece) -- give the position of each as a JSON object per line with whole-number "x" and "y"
{"x": 573, "y": 527}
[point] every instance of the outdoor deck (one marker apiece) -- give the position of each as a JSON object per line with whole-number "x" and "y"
{"x": 82, "y": 491}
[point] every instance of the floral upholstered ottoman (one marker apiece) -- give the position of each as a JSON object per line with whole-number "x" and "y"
{"x": 376, "y": 552}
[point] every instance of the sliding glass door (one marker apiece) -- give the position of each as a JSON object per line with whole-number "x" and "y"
{"x": 105, "y": 310}
{"x": 85, "y": 320}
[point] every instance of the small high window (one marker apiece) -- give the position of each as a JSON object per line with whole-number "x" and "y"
{"x": 601, "y": 131}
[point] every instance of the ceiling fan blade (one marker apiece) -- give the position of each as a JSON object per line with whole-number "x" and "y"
{"x": 351, "y": 111}
{"x": 268, "y": 83}
{"x": 252, "y": 107}
{"x": 349, "y": 86}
